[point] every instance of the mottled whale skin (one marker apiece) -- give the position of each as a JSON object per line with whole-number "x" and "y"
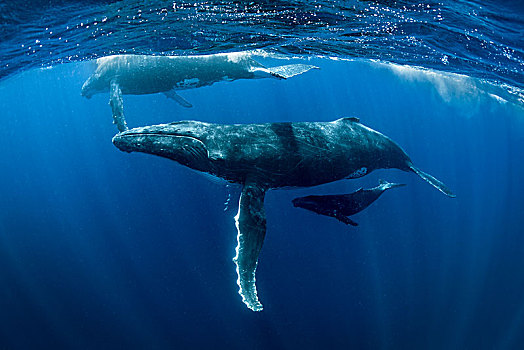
{"x": 340, "y": 206}
{"x": 270, "y": 156}
{"x": 144, "y": 74}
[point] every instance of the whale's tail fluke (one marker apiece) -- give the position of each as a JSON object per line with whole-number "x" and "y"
{"x": 439, "y": 185}
{"x": 384, "y": 185}
{"x": 290, "y": 70}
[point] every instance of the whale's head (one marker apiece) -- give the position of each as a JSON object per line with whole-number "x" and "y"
{"x": 104, "y": 71}
{"x": 384, "y": 153}
{"x": 312, "y": 203}
{"x": 94, "y": 85}
{"x": 378, "y": 150}
{"x": 173, "y": 141}
{"x": 393, "y": 156}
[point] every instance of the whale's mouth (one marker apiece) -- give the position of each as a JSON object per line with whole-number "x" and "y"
{"x": 125, "y": 139}
{"x": 307, "y": 202}
{"x": 180, "y": 129}
{"x": 296, "y": 202}
{"x": 86, "y": 90}
{"x": 153, "y": 133}
{"x": 128, "y": 141}
{"x": 164, "y": 142}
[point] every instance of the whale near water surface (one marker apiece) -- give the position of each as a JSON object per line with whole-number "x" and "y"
{"x": 145, "y": 74}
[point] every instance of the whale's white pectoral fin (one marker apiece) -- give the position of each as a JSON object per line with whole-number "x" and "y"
{"x": 117, "y": 106}
{"x": 177, "y": 98}
{"x": 251, "y": 226}
{"x": 288, "y": 71}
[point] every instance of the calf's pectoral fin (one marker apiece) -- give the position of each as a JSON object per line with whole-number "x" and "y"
{"x": 117, "y": 106}
{"x": 177, "y": 98}
{"x": 251, "y": 225}
{"x": 346, "y": 220}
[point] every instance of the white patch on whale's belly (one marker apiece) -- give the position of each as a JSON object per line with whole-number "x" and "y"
{"x": 188, "y": 83}
{"x": 358, "y": 173}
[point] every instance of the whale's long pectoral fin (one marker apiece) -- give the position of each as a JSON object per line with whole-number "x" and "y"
{"x": 439, "y": 185}
{"x": 251, "y": 226}
{"x": 117, "y": 106}
{"x": 177, "y": 98}
{"x": 288, "y": 71}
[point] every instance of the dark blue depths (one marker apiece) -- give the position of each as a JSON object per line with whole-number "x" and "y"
{"x": 102, "y": 249}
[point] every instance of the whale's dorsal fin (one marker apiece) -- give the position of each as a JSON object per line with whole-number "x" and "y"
{"x": 117, "y": 105}
{"x": 177, "y": 98}
{"x": 251, "y": 226}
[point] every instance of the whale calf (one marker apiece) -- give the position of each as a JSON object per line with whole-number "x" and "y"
{"x": 144, "y": 74}
{"x": 340, "y": 206}
{"x": 268, "y": 156}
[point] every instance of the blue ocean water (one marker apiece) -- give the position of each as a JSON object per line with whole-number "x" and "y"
{"x": 103, "y": 249}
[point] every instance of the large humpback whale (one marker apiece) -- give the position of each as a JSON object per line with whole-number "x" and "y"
{"x": 261, "y": 157}
{"x": 340, "y": 206}
{"x": 144, "y": 74}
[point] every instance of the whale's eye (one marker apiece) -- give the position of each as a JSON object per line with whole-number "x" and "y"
{"x": 358, "y": 173}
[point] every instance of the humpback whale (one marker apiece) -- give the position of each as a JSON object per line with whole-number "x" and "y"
{"x": 340, "y": 206}
{"x": 268, "y": 156}
{"x": 144, "y": 74}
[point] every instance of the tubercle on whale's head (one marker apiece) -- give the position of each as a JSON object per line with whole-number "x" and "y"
{"x": 86, "y": 91}
{"x": 167, "y": 141}
{"x": 92, "y": 86}
{"x": 99, "y": 81}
